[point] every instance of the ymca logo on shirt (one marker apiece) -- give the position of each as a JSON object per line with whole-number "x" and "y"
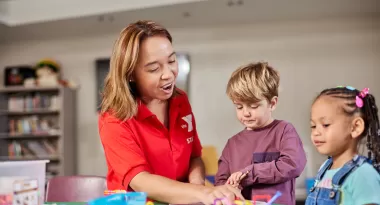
{"x": 189, "y": 120}
{"x": 190, "y": 140}
{"x": 189, "y": 124}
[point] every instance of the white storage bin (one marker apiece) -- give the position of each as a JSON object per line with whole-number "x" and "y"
{"x": 13, "y": 170}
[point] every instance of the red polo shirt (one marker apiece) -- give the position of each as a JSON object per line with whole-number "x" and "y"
{"x": 142, "y": 143}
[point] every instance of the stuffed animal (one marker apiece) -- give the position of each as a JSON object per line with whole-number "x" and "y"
{"x": 48, "y": 73}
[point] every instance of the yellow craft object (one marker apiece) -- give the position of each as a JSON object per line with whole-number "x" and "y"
{"x": 149, "y": 203}
{"x": 245, "y": 202}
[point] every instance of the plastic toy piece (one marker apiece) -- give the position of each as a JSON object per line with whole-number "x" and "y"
{"x": 129, "y": 198}
{"x": 255, "y": 197}
{"x": 149, "y": 203}
{"x": 109, "y": 192}
{"x": 278, "y": 194}
{"x": 243, "y": 202}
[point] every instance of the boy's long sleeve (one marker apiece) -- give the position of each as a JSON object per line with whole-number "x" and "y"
{"x": 273, "y": 155}
{"x": 223, "y": 172}
{"x": 289, "y": 165}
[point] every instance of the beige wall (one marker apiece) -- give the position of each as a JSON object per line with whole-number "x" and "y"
{"x": 310, "y": 56}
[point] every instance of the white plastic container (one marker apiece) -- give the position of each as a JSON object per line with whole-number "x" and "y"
{"x": 33, "y": 169}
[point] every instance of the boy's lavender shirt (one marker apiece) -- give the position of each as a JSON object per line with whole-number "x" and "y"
{"x": 274, "y": 156}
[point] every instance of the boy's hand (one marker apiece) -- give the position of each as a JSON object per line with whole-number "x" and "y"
{"x": 235, "y": 178}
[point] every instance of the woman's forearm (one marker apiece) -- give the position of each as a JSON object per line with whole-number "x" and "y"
{"x": 166, "y": 190}
{"x": 197, "y": 171}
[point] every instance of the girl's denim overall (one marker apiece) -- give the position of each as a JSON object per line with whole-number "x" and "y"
{"x": 325, "y": 196}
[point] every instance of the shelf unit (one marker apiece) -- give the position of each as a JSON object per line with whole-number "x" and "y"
{"x": 21, "y": 129}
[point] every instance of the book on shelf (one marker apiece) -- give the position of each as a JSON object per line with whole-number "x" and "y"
{"x": 31, "y": 148}
{"x": 53, "y": 168}
{"x": 32, "y": 125}
{"x": 33, "y": 102}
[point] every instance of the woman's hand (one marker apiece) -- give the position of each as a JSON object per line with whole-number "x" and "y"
{"x": 235, "y": 178}
{"x": 173, "y": 192}
{"x": 225, "y": 192}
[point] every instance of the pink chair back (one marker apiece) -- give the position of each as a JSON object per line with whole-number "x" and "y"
{"x": 75, "y": 188}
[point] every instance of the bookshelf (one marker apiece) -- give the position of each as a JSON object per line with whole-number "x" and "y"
{"x": 39, "y": 123}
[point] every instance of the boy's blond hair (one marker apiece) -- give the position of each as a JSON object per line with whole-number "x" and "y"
{"x": 253, "y": 82}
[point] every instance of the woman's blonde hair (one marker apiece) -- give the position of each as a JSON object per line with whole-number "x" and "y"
{"x": 119, "y": 96}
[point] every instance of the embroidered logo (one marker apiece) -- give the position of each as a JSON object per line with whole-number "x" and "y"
{"x": 190, "y": 140}
{"x": 189, "y": 120}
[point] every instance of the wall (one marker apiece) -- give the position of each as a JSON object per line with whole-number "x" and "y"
{"x": 310, "y": 56}
{"x": 21, "y": 12}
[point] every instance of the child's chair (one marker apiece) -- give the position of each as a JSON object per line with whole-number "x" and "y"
{"x": 75, "y": 188}
{"x": 210, "y": 158}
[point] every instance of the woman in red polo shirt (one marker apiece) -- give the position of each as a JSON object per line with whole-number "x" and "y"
{"x": 146, "y": 124}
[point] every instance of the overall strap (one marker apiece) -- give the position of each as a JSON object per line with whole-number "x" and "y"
{"x": 326, "y": 166}
{"x": 349, "y": 167}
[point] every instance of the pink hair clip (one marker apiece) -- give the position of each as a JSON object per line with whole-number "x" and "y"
{"x": 361, "y": 96}
{"x": 364, "y": 92}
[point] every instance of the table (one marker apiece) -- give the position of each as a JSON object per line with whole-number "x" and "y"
{"x": 84, "y": 203}
{"x": 81, "y": 203}
{"x": 64, "y": 203}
